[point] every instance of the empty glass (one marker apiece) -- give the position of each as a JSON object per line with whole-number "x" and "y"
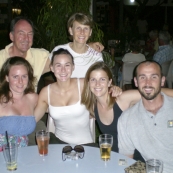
{"x": 154, "y": 166}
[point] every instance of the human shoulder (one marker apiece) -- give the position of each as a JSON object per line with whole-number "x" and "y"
{"x": 168, "y": 99}
{"x": 157, "y": 55}
{"x": 170, "y": 47}
{"x": 44, "y": 91}
{"x": 40, "y": 51}
{"x": 81, "y": 83}
{"x": 32, "y": 97}
{"x": 130, "y": 113}
{"x": 3, "y": 57}
{"x": 93, "y": 52}
{"x": 81, "y": 80}
{"x": 6, "y": 48}
{"x": 2, "y": 51}
{"x": 76, "y": 81}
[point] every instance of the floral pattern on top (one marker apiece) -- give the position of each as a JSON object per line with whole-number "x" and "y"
{"x": 22, "y": 141}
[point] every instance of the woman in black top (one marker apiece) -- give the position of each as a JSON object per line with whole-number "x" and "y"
{"x": 105, "y": 108}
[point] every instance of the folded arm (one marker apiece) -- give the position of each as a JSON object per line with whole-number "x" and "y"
{"x": 131, "y": 97}
{"x": 128, "y": 98}
{"x": 96, "y": 46}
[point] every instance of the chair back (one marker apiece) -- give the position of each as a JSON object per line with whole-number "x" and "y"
{"x": 127, "y": 73}
{"x": 51, "y": 126}
{"x": 169, "y": 77}
{"x": 165, "y": 67}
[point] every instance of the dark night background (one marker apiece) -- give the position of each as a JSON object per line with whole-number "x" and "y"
{"x": 110, "y": 16}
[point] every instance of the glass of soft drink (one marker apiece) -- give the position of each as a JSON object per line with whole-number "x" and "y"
{"x": 105, "y": 143}
{"x": 42, "y": 138}
{"x": 10, "y": 152}
{"x": 154, "y": 166}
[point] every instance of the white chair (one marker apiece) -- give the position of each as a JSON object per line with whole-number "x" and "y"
{"x": 127, "y": 73}
{"x": 51, "y": 126}
{"x": 169, "y": 77}
{"x": 165, "y": 67}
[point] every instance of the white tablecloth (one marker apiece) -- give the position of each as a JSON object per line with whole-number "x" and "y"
{"x": 29, "y": 161}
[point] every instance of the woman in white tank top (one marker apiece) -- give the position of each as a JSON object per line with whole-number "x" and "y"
{"x": 62, "y": 98}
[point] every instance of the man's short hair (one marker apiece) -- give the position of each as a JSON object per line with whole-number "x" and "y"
{"x": 16, "y": 19}
{"x": 148, "y": 62}
{"x": 165, "y": 36}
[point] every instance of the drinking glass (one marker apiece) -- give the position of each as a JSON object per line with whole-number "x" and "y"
{"x": 105, "y": 143}
{"x": 42, "y": 138}
{"x": 154, "y": 166}
{"x": 10, "y": 152}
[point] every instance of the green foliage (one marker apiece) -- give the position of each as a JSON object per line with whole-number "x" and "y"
{"x": 52, "y": 22}
{"x": 108, "y": 59}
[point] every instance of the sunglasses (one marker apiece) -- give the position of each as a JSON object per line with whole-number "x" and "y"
{"x": 67, "y": 152}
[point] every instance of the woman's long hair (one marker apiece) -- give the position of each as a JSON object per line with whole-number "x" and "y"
{"x": 88, "y": 98}
{"x": 5, "y": 92}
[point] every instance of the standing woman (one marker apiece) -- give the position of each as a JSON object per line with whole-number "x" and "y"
{"x": 80, "y": 27}
{"x": 17, "y": 100}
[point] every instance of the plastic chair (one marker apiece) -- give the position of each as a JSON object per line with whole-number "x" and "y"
{"x": 169, "y": 77}
{"x": 127, "y": 73}
{"x": 51, "y": 126}
{"x": 165, "y": 67}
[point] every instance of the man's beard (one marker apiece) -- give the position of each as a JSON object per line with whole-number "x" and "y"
{"x": 149, "y": 96}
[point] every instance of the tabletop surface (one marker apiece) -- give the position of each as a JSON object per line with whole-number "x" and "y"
{"x": 29, "y": 161}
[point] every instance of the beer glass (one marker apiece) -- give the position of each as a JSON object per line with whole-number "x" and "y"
{"x": 105, "y": 143}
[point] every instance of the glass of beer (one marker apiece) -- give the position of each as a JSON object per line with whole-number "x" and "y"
{"x": 105, "y": 143}
{"x": 42, "y": 138}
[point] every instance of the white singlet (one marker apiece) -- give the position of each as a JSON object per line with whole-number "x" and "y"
{"x": 71, "y": 122}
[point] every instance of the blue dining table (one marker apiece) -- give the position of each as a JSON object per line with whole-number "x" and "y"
{"x": 29, "y": 161}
